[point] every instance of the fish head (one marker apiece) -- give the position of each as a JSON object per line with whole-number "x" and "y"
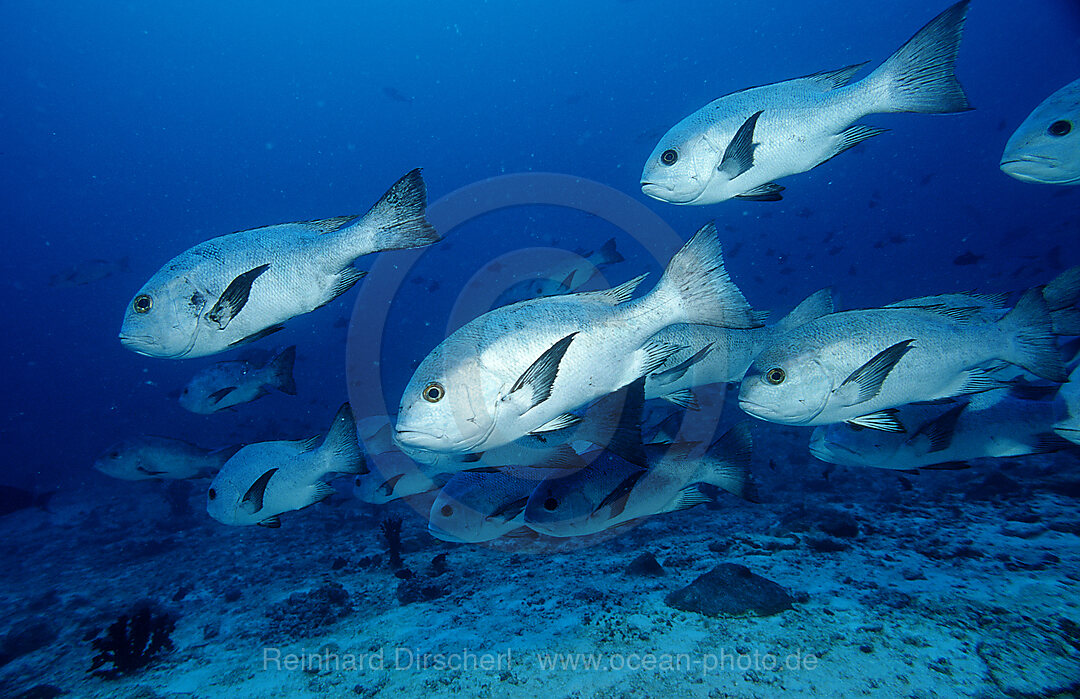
{"x": 1046, "y": 147}
{"x": 681, "y": 166}
{"x": 790, "y": 388}
{"x": 163, "y": 319}
{"x": 852, "y": 445}
{"x": 223, "y": 499}
{"x": 449, "y": 405}
{"x": 457, "y": 514}
{"x": 560, "y": 507}
{"x": 122, "y": 460}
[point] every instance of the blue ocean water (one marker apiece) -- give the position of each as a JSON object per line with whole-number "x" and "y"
{"x": 134, "y": 130}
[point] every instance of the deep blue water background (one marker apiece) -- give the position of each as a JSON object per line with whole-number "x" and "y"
{"x": 139, "y": 129}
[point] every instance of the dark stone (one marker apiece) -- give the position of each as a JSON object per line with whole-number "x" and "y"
{"x": 647, "y": 565}
{"x": 304, "y": 614}
{"x": 41, "y": 691}
{"x": 996, "y": 484}
{"x": 418, "y": 589}
{"x": 26, "y": 638}
{"x": 825, "y": 544}
{"x": 339, "y": 563}
{"x": 232, "y": 594}
{"x": 1070, "y": 488}
{"x": 731, "y": 590}
{"x": 132, "y": 642}
{"x": 839, "y": 523}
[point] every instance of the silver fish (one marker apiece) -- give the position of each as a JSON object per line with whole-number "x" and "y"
{"x": 477, "y": 506}
{"x": 149, "y": 457}
{"x": 858, "y": 366}
{"x": 563, "y": 279}
{"x": 720, "y": 355}
{"x": 611, "y": 491}
{"x": 522, "y": 369}
{"x": 1069, "y": 424}
{"x": 227, "y": 384}
{"x": 1045, "y": 148}
{"x": 991, "y": 424}
{"x": 88, "y": 272}
{"x": 740, "y": 144}
{"x": 240, "y": 287}
{"x": 266, "y": 479}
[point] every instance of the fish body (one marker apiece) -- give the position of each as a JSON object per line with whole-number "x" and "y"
{"x": 857, "y": 366}
{"x": 990, "y": 424}
{"x": 740, "y": 144}
{"x": 1068, "y": 426}
{"x": 150, "y": 457}
{"x": 564, "y": 278}
{"x": 610, "y": 491}
{"x": 231, "y": 383}
{"x": 263, "y": 480}
{"x": 720, "y": 355}
{"x": 523, "y": 368}
{"x": 239, "y": 287}
{"x": 1045, "y": 148}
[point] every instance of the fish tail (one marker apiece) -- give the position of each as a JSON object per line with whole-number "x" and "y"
{"x": 726, "y": 464}
{"x": 341, "y": 448}
{"x": 1034, "y": 345}
{"x": 281, "y": 371}
{"x": 395, "y": 222}
{"x": 696, "y": 288}
{"x": 921, "y": 75}
{"x": 607, "y": 254}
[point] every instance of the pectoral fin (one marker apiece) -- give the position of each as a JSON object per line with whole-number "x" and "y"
{"x": 619, "y": 494}
{"x": 534, "y": 386}
{"x": 510, "y": 510}
{"x": 234, "y": 298}
{"x": 676, "y": 372}
{"x": 941, "y": 429}
{"x": 868, "y": 378}
{"x": 252, "y": 501}
{"x": 739, "y": 155}
{"x": 884, "y": 420}
{"x": 219, "y": 394}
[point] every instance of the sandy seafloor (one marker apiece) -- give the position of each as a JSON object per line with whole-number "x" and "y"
{"x": 942, "y": 584}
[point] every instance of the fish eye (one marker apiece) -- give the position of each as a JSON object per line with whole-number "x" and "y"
{"x": 114, "y": 455}
{"x": 212, "y": 494}
{"x": 551, "y": 504}
{"x": 446, "y": 510}
{"x": 433, "y": 392}
{"x": 669, "y": 157}
{"x": 775, "y": 376}
{"x": 142, "y": 303}
{"x": 1061, "y": 127}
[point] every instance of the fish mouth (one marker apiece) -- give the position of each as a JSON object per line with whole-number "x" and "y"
{"x": 666, "y": 194}
{"x": 416, "y": 439}
{"x": 443, "y": 535}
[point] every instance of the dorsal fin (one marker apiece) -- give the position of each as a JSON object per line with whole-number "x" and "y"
{"x": 616, "y": 294}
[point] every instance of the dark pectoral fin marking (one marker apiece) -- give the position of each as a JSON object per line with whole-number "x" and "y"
{"x": 510, "y": 510}
{"x": 541, "y": 375}
{"x": 219, "y": 394}
{"x": 618, "y": 496}
{"x": 869, "y": 377}
{"x": 739, "y": 155}
{"x": 234, "y": 297}
{"x": 252, "y": 501}
{"x": 941, "y": 429}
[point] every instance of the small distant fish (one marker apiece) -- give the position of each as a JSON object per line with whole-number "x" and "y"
{"x": 738, "y": 145}
{"x": 266, "y": 479}
{"x": 13, "y": 499}
{"x": 227, "y": 384}
{"x": 522, "y": 369}
{"x": 88, "y": 272}
{"x": 240, "y": 287}
{"x": 564, "y": 279}
{"x": 995, "y": 423}
{"x": 968, "y": 258}
{"x": 396, "y": 95}
{"x": 477, "y": 506}
{"x": 160, "y": 458}
{"x": 858, "y": 366}
{"x": 1046, "y": 147}
{"x": 610, "y": 491}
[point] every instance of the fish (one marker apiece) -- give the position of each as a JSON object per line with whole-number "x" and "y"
{"x": 737, "y": 146}
{"x": 266, "y": 479}
{"x": 240, "y": 287}
{"x": 610, "y": 491}
{"x": 88, "y": 272}
{"x": 996, "y": 423}
{"x": 564, "y": 278}
{"x": 397, "y": 95}
{"x": 13, "y": 499}
{"x": 231, "y": 383}
{"x": 858, "y": 366}
{"x": 1045, "y": 148}
{"x": 967, "y": 258}
{"x": 478, "y": 506}
{"x": 522, "y": 369}
{"x": 150, "y": 457}
{"x": 1068, "y": 426}
{"x": 720, "y": 355}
